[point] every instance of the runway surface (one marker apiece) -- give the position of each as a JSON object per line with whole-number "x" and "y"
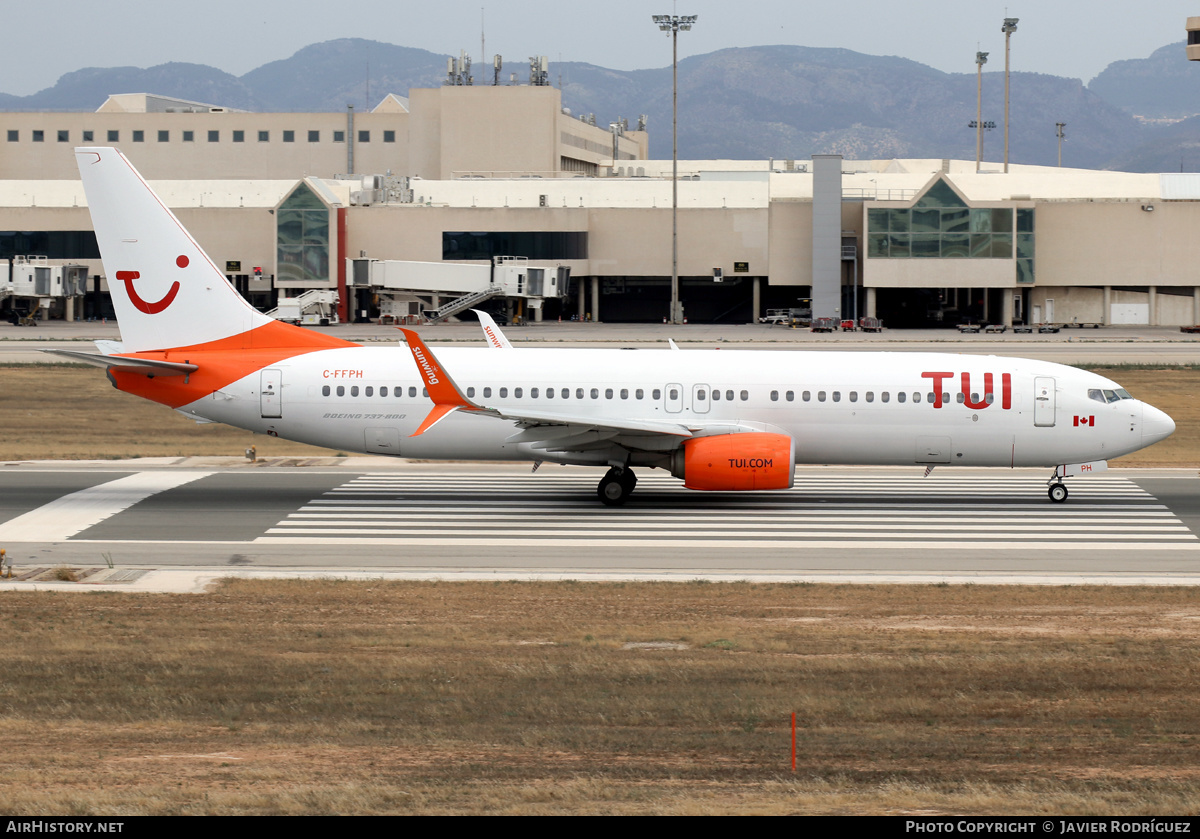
{"x": 499, "y": 520}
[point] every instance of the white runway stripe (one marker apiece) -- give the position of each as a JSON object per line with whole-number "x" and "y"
{"x": 74, "y": 513}
{"x": 562, "y": 511}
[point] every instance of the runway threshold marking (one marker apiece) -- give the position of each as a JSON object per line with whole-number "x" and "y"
{"x": 64, "y": 517}
{"x": 956, "y": 514}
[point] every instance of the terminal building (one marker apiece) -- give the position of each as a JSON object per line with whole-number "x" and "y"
{"x": 499, "y": 192}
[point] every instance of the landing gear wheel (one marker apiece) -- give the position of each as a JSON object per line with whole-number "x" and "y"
{"x": 615, "y": 487}
{"x": 1057, "y": 493}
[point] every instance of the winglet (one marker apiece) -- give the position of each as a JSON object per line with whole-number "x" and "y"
{"x": 446, "y": 395}
{"x": 494, "y": 336}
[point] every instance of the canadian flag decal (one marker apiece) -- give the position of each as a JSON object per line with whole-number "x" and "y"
{"x": 1085, "y": 421}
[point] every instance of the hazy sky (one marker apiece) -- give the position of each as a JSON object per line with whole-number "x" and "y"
{"x": 1064, "y": 37}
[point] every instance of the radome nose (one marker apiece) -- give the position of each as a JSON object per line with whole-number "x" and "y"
{"x": 1156, "y": 425}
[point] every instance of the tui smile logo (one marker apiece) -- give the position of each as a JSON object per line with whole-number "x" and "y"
{"x": 150, "y": 308}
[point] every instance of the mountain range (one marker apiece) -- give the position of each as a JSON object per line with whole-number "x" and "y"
{"x": 743, "y": 103}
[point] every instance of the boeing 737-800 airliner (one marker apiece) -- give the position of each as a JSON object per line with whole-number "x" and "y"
{"x": 717, "y": 420}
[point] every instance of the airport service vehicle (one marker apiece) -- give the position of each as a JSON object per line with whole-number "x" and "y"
{"x": 724, "y": 421}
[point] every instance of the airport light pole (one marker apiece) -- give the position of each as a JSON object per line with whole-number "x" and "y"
{"x": 1059, "y": 126}
{"x": 673, "y": 24}
{"x": 980, "y": 60}
{"x": 1009, "y": 27}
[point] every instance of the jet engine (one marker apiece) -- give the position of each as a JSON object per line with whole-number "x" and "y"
{"x": 747, "y": 461}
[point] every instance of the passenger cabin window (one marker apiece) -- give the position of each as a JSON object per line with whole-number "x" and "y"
{"x": 656, "y": 394}
{"x": 325, "y": 390}
{"x": 790, "y": 396}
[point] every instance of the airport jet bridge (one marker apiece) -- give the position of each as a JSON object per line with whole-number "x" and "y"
{"x": 411, "y": 291}
{"x": 33, "y": 289}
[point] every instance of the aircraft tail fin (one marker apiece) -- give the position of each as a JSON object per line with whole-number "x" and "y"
{"x": 166, "y": 290}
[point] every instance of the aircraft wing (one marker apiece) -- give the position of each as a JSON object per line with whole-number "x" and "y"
{"x": 557, "y": 431}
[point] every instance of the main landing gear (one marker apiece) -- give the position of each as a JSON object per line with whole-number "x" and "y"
{"x": 616, "y": 486}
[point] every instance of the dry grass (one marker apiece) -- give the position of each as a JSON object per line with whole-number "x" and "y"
{"x": 71, "y": 412}
{"x": 305, "y": 697}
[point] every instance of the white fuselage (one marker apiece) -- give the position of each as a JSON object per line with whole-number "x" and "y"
{"x": 840, "y": 408}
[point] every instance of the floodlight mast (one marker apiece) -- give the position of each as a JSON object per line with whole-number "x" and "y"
{"x": 673, "y": 24}
{"x": 980, "y": 60}
{"x": 1009, "y": 27}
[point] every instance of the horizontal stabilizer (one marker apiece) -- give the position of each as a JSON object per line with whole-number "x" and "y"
{"x": 145, "y": 366}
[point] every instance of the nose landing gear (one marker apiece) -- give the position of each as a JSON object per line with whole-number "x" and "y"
{"x": 1057, "y": 489}
{"x": 616, "y": 486}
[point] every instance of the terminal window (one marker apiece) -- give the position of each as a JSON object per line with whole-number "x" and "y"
{"x": 164, "y": 136}
{"x": 13, "y": 136}
{"x": 289, "y": 136}
{"x": 189, "y": 136}
{"x": 389, "y": 136}
{"x": 530, "y": 244}
{"x": 302, "y": 237}
{"x": 364, "y": 136}
{"x": 339, "y": 136}
{"x": 39, "y": 136}
{"x": 64, "y": 136}
{"x": 89, "y": 136}
{"x": 239, "y": 136}
{"x": 264, "y": 136}
{"x": 114, "y": 136}
{"x": 940, "y": 226}
{"x": 214, "y": 136}
{"x": 314, "y": 136}
{"x": 139, "y": 136}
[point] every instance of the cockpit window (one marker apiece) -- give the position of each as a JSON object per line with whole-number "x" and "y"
{"x": 1111, "y": 396}
{"x": 1097, "y": 394}
{"x": 1123, "y": 393}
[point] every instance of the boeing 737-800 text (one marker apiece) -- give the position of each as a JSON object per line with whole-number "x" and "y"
{"x": 717, "y": 420}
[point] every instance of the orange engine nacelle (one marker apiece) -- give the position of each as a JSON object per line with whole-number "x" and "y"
{"x": 751, "y": 460}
